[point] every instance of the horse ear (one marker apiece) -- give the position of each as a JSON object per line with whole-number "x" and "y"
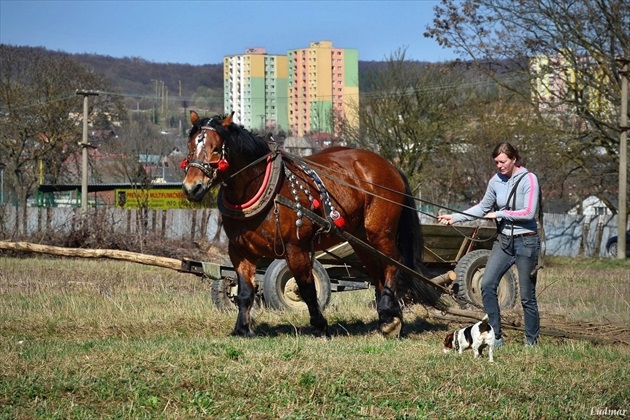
{"x": 194, "y": 117}
{"x": 227, "y": 120}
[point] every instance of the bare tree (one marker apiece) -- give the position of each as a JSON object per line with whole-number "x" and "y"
{"x": 407, "y": 112}
{"x": 459, "y": 178}
{"x": 134, "y": 142}
{"x": 516, "y": 42}
{"x": 41, "y": 116}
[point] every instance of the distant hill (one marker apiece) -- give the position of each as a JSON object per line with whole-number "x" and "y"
{"x": 135, "y": 74}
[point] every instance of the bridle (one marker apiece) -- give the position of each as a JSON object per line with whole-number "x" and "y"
{"x": 212, "y": 167}
{"x": 215, "y": 165}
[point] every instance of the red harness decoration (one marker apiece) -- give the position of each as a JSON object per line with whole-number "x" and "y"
{"x": 223, "y": 165}
{"x": 258, "y": 194}
{"x": 338, "y": 219}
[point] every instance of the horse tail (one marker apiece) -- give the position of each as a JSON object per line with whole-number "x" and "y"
{"x": 410, "y": 245}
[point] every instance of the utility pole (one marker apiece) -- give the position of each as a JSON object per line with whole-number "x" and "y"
{"x": 162, "y": 103}
{"x": 623, "y": 161}
{"x": 2, "y": 184}
{"x": 84, "y": 144}
{"x": 155, "y": 102}
{"x": 166, "y": 122}
{"x": 180, "y": 101}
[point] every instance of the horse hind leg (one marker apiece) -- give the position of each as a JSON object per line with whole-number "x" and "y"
{"x": 302, "y": 269}
{"x": 389, "y": 311}
{"x": 390, "y": 317}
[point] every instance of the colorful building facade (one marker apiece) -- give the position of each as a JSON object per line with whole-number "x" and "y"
{"x": 323, "y": 88}
{"x": 558, "y": 86}
{"x": 309, "y": 91}
{"x": 254, "y": 87}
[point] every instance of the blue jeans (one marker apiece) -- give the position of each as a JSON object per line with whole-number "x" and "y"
{"x": 522, "y": 251}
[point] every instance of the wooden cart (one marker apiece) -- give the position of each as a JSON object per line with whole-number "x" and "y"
{"x": 455, "y": 256}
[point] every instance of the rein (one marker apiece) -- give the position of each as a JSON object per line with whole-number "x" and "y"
{"x": 342, "y": 182}
{"x": 264, "y": 195}
{"x": 326, "y": 224}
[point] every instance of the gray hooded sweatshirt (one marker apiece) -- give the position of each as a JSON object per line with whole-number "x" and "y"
{"x": 522, "y": 218}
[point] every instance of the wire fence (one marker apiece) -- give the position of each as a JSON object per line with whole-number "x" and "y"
{"x": 566, "y": 235}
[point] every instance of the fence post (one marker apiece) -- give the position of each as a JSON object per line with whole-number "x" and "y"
{"x": 623, "y": 159}
{"x": 584, "y": 239}
{"x": 598, "y": 237}
{"x": 193, "y": 225}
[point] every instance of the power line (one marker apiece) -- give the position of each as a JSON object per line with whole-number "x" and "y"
{"x": 152, "y": 97}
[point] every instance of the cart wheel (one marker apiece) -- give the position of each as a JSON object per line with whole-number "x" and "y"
{"x": 223, "y": 293}
{"x": 280, "y": 290}
{"x": 612, "y": 250}
{"x": 467, "y": 285}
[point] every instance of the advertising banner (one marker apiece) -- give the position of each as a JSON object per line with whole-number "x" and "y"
{"x": 154, "y": 198}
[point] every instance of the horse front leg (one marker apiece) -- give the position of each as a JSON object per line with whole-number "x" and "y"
{"x": 246, "y": 274}
{"x": 300, "y": 265}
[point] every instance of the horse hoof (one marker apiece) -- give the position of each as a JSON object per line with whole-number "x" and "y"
{"x": 326, "y": 335}
{"x": 392, "y": 329}
{"x": 321, "y": 333}
{"x": 243, "y": 333}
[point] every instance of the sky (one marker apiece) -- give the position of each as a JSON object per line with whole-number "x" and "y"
{"x": 203, "y": 32}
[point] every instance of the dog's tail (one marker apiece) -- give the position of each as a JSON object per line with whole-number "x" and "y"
{"x": 485, "y": 325}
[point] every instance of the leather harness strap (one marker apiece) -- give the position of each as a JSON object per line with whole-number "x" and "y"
{"x": 328, "y": 225}
{"x": 263, "y": 198}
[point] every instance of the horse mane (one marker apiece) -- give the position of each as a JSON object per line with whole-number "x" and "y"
{"x": 239, "y": 140}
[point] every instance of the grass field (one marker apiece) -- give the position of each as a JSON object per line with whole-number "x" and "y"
{"x": 93, "y": 339}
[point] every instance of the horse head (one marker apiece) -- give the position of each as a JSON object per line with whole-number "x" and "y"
{"x": 207, "y": 161}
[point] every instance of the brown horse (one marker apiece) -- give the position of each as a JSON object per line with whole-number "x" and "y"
{"x": 357, "y": 190}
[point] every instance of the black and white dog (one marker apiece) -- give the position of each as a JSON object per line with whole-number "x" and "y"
{"x": 475, "y": 337}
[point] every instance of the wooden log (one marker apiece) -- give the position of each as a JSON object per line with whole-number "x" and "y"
{"x": 113, "y": 254}
{"x": 445, "y": 279}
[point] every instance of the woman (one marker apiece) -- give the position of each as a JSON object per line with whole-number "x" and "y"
{"x": 511, "y": 199}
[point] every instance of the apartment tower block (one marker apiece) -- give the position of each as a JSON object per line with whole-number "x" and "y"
{"x": 255, "y": 88}
{"x": 309, "y": 91}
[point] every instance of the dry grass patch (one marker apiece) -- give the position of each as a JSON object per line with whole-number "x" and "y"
{"x": 84, "y": 339}
{"x": 591, "y": 290}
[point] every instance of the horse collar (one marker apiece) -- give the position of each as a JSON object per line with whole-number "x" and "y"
{"x": 263, "y": 197}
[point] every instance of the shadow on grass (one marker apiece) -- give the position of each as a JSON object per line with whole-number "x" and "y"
{"x": 415, "y": 326}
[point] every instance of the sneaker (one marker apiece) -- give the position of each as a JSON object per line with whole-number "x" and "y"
{"x": 498, "y": 343}
{"x": 530, "y": 345}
